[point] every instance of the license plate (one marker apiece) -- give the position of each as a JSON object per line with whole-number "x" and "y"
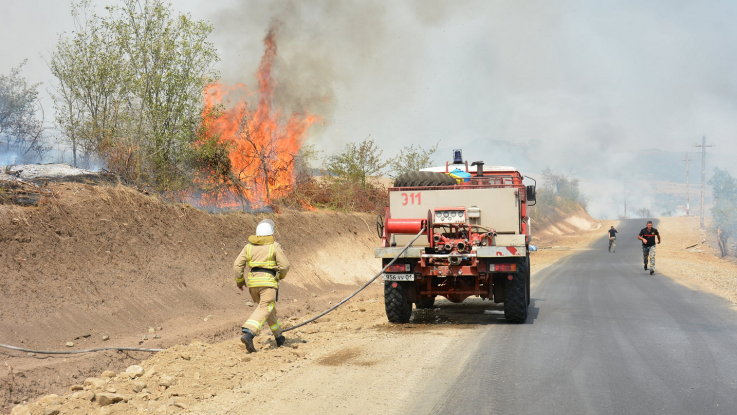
{"x": 399, "y": 277}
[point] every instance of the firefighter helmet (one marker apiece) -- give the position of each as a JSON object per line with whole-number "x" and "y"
{"x": 264, "y": 229}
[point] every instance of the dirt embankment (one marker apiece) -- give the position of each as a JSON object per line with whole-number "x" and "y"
{"x": 109, "y": 261}
{"x": 561, "y": 224}
{"x": 689, "y": 254}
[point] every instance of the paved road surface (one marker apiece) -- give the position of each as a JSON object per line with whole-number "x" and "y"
{"x": 602, "y": 337}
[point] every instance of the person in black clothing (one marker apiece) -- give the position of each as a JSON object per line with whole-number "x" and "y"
{"x": 612, "y": 239}
{"x": 647, "y": 236}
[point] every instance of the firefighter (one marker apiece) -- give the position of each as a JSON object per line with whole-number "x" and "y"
{"x": 268, "y": 265}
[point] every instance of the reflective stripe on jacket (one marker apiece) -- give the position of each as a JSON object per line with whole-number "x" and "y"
{"x": 261, "y": 252}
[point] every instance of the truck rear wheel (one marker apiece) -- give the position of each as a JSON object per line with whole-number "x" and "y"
{"x": 398, "y": 308}
{"x": 425, "y": 303}
{"x": 423, "y": 178}
{"x": 527, "y": 277}
{"x": 516, "y": 295}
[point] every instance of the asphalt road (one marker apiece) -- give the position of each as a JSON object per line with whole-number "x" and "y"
{"x": 602, "y": 337}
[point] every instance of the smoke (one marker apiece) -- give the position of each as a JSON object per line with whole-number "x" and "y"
{"x": 8, "y": 158}
{"x": 613, "y": 93}
{"x": 328, "y": 50}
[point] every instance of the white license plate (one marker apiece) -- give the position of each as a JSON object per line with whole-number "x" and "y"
{"x": 399, "y": 277}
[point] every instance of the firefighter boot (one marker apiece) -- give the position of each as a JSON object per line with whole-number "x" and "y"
{"x": 247, "y": 339}
{"x": 280, "y": 340}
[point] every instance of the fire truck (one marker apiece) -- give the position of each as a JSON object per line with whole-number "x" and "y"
{"x": 475, "y": 238}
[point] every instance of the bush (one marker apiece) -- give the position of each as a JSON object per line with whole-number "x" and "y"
{"x": 339, "y": 195}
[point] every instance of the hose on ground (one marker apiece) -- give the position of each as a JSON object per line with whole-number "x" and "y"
{"x": 99, "y": 349}
{"x": 360, "y": 289}
{"x": 138, "y": 349}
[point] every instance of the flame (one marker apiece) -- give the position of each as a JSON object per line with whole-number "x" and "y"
{"x": 262, "y": 147}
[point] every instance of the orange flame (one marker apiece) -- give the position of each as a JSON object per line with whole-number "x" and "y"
{"x": 262, "y": 148}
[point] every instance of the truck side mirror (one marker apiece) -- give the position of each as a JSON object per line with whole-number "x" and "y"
{"x": 531, "y": 195}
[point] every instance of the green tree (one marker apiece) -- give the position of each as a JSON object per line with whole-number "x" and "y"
{"x": 91, "y": 80}
{"x": 130, "y": 87}
{"x": 562, "y": 185}
{"x": 20, "y": 128}
{"x": 412, "y": 159}
{"x": 357, "y": 162}
{"x": 724, "y": 189}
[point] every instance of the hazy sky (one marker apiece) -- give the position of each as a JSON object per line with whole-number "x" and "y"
{"x": 573, "y": 85}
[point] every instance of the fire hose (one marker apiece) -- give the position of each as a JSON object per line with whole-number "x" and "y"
{"x": 138, "y": 349}
{"x": 99, "y": 349}
{"x": 360, "y": 289}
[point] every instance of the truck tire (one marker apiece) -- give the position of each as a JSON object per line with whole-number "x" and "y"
{"x": 425, "y": 303}
{"x": 527, "y": 285}
{"x": 423, "y": 178}
{"x": 515, "y": 295}
{"x": 398, "y": 309}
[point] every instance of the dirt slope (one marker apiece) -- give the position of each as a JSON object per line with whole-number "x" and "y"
{"x": 109, "y": 261}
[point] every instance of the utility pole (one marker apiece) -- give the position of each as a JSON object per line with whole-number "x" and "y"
{"x": 625, "y": 199}
{"x": 703, "y": 146}
{"x": 687, "y": 187}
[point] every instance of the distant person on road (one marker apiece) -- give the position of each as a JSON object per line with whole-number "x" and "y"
{"x": 268, "y": 265}
{"x": 647, "y": 236}
{"x": 612, "y": 239}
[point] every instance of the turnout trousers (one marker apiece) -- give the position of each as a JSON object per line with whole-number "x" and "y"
{"x": 265, "y": 312}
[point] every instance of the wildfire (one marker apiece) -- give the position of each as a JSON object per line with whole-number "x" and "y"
{"x": 261, "y": 145}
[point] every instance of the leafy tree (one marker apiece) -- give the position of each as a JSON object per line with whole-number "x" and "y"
{"x": 90, "y": 71}
{"x": 724, "y": 189}
{"x": 561, "y": 185}
{"x": 20, "y": 129}
{"x": 130, "y": 86}
{"x": 412, "y": 159}
{"x": 643, "y": 213}
{"x": 357, "y": 162}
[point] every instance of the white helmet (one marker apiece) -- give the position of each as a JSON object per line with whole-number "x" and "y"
{"x": 269, "y": 221}
{"x": 264, "y": 229}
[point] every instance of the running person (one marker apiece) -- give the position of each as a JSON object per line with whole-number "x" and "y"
{"x": 612, "y": 239}
{"x": 647, "y": 236}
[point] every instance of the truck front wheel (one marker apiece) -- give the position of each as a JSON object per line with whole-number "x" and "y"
{"x": 515, "y": 295}
{"x": 398, "y": 308}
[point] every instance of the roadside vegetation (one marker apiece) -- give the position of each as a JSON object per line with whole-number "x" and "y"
{"x": 129, "y": 90}
{"x": 724, "y": 212}
{"x": 21, "y": 119}
{"x": 351, "y": 180}
{"x": 559, "y": 195}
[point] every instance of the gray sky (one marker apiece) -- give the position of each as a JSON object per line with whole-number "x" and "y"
{"x": 573, "y": 85}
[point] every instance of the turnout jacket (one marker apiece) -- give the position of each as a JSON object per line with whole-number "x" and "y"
{"x": 261, "y": 252}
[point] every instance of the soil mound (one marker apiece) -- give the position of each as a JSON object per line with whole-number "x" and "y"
{"x": 562, "y": 223}
{"x": 102, "y": 260}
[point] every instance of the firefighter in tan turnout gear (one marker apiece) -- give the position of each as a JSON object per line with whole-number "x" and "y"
{"x": 268, "y": 265}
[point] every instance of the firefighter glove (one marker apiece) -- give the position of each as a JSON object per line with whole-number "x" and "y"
{"x": 240, "y": 284}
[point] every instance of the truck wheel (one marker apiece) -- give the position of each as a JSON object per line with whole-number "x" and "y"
{"x": 527, "y": 273}
{"x": 515, "y": 295}
{"x": 425, "y": 303}
{"x": 423, "y": 178}
{"x": 398, "y": 309}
